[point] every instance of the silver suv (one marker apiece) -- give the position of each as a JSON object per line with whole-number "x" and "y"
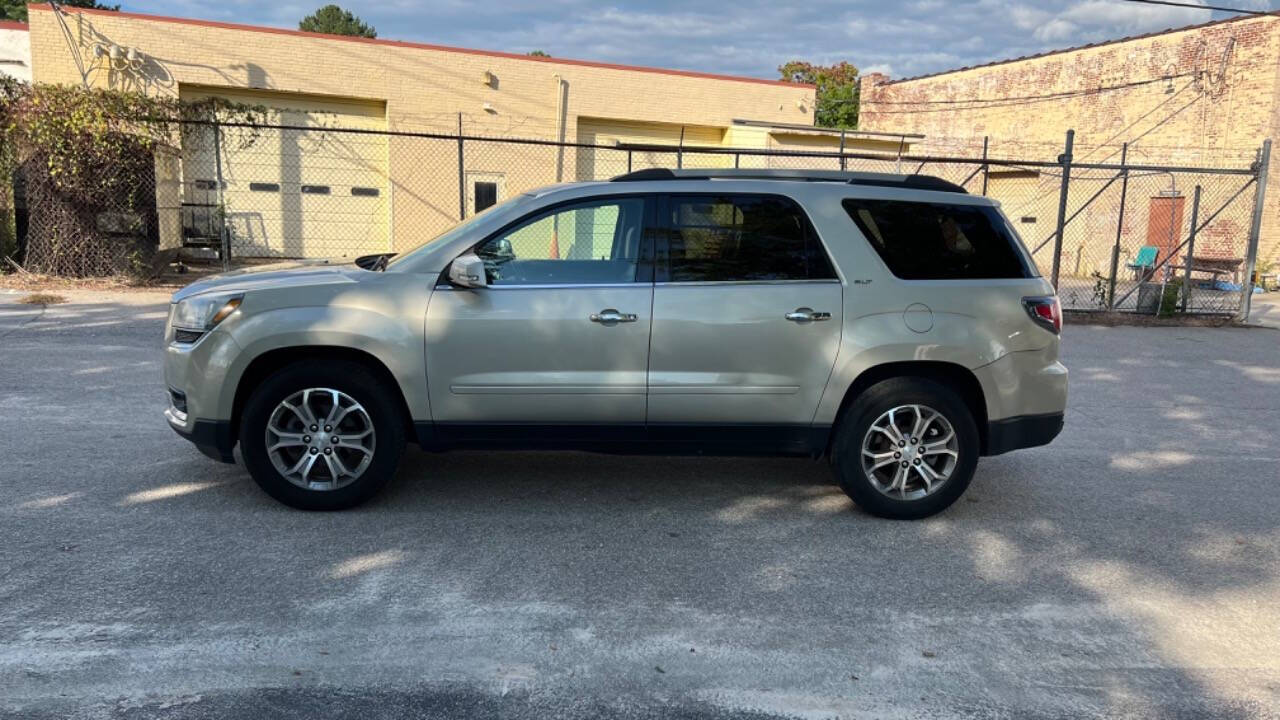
{"x": 892, "y": 324}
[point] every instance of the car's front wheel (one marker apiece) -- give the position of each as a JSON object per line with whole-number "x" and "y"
{"x": 322, "y": 435}
{"x": 907, "y": 448}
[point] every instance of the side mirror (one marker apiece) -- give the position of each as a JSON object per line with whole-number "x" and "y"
{"x": 504, "y": 250}
{"x": 467, "y": 271}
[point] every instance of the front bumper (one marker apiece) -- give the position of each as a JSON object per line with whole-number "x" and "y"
{"x": 195, "y": 374}
{"x": 211, "y": 437}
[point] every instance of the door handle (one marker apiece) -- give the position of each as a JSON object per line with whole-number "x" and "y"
{"x": 804, "y": 314}
{"x": 612, "y": 317}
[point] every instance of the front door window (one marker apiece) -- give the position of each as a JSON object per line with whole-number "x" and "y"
{"x": 589, "y": 243}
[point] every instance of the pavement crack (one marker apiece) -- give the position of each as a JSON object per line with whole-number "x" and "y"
{"x": 25, "y": 323}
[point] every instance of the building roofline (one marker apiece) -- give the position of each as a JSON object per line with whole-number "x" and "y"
{"x": 1075, "y": 48}
{"x": 784, "y": 126}
{"x": 416, "y": 45}
{"x": 13, "y": 25}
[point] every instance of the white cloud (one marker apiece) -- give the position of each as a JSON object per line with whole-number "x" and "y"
{"x": 1056, "y": 30}
{"x": 1094, "y": 20}
{"x": 1103, "y": 13}
{"x": 746, "y": 37}
{"x": 1025, "y": 17}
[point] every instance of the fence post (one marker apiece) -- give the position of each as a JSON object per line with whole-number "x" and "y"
{"x": 680, "y": 150}
{"x": 986, "y": 169}
{"x": 462, "y": 179}
{"x": 843, "y": 161}
{"x": 1255, "y": 229}
{"x": 628, "y": 161}
{"x": 1115, "y": 251}
{"x": 1191, "y": 249}
{"x": 1065, "y": 161}
{"x": 737, "y": 160}
{"x": 224, "y": 238}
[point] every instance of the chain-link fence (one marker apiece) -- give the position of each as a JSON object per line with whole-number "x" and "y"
{"x": 1112, "y": 236}
{"x": 90, "y": 218}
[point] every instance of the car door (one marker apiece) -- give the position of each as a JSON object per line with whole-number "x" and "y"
{"x": 560, "y": 335}
{"x": 746, "y": 313}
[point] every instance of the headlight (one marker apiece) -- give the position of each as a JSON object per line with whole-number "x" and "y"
{"x": 201, "y": 313}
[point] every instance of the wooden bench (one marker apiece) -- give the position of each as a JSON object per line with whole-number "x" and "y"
{"x": 1214, "y": 266}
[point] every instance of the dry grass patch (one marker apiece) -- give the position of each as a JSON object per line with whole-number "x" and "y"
{"x": 42, "y": 299}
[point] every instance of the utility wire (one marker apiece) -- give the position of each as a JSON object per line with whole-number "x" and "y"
{"x": 1171, "y": 3}
{"x": 1019, "y": 98}
{"x": 869, "y": 106}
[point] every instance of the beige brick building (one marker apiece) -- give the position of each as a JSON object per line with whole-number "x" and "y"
{"x": 1205, "y": 95}
{"x": 325, "y": 193}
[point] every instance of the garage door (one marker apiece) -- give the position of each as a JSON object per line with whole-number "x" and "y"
{"x": 309, "y": 192}
{"x": 602, "y": 164}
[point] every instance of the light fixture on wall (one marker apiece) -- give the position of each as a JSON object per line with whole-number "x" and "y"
{"x": 489, "y": 108}
{"x": 120, "y": 58}
{"x": 488, "y": 78}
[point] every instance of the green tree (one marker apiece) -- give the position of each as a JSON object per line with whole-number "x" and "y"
{"x": 539, "y": 53}
{"x": 333, "y": 20}
{"x": 837, "y": 90}
{"x": 17, "y": 9}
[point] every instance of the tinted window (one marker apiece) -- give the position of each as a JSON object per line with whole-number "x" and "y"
{"x": 586, "y": 243}
{"x": 725, "y": 238}
{"x": 938, "y": 241}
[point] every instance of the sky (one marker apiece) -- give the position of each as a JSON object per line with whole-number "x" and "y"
{"x": 744, "y": 37}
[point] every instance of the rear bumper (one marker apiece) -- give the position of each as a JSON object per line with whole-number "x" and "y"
{"x": 211, "y": 437}
{"x": 1023, "y": 431}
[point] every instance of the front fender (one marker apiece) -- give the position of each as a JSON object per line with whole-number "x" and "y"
{"x": 395, "y": 341}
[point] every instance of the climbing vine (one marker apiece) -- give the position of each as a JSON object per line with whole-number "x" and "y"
{"x": 76, "y": 132}
{"x": 89, "y": 156}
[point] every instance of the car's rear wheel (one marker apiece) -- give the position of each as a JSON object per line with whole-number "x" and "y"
{"x": 906, "y": 448}
{"x": 322, "y": 435}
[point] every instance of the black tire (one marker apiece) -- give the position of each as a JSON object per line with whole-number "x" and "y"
{"x": 856, "y": 421}
{"x": 379, "y": 401}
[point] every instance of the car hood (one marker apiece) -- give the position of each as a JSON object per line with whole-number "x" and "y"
{"x": 275, "y": 275}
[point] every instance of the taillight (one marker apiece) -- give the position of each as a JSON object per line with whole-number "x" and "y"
{"x": 1046, "y": 311}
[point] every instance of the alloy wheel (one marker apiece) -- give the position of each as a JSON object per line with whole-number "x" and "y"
{"x": 910, "y": 452}
{"x": 320, "y": 439}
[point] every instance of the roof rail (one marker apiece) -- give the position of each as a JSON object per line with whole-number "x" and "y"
{"x": 915, "y": 182}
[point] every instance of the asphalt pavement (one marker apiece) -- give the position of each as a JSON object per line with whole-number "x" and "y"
{"x": 1130, "y": 569}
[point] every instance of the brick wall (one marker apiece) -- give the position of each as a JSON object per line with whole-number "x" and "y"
{"x": 1204, "y": 96}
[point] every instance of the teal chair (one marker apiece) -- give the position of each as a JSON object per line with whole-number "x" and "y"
{"x": 1144, "y": 263}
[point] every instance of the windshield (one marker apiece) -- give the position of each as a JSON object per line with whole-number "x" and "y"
{"x": 503, "y": 208}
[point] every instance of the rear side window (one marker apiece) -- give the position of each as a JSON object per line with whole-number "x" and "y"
{"x": 742, "y": 237}
{"x": 939, "y": 241}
